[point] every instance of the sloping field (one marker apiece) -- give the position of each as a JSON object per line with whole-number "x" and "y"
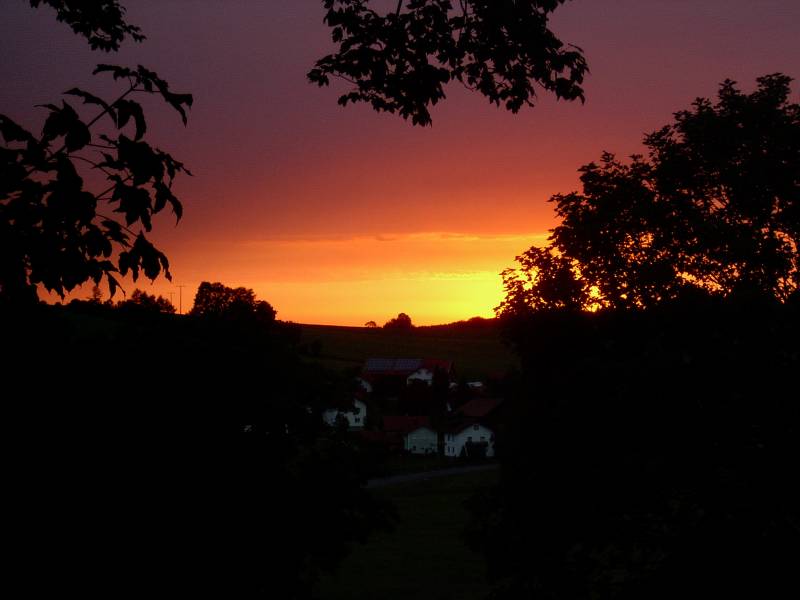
{"x": 478, "y": 353}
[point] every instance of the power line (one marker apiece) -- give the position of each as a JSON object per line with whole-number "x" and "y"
{"x": 180, "y": 298}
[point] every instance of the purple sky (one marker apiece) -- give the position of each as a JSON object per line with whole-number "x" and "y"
{"x": 276, "y": 159}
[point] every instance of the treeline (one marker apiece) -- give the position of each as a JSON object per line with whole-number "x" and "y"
{"x": 656, "y": 420}
{"x": 193, "y": 445}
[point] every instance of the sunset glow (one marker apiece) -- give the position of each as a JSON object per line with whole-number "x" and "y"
{"x": 342, "y": 215}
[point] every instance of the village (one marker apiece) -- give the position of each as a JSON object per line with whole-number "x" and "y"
{"x": 416, "y": 406}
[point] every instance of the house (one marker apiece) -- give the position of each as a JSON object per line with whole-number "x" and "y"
{"x": 356, "y": 416}
{"x": 407, "y": 370}
{"x": 364, "y": 385}
{"x": 468, "y": 437}
{"x": 416, "y": 432}
{"x": 428, "y": 369}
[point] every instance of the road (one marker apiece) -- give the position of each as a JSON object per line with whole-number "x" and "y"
{"x": 425, "y": 475}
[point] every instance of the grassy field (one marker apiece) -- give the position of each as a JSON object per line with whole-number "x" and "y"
{"x": 478, "y": 353}
{"x": 425, "y": 558}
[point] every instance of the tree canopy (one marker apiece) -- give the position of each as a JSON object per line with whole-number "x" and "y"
{"x": 400, "y": 61}
{"x": 216, "y": 300}
{"x": 401, "y": 322}
{"x": 101, "y": 22}
{"x": 142, "y": 301}
{"x": 59, "y": 227}
{"x": 712, "y": 210}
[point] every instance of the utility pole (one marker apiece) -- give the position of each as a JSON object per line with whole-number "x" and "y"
{"x": 180, "y": 298}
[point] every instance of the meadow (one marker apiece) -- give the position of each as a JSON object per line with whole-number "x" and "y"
{"x": 426, "y": 556}
{"x": 477, "y": 351}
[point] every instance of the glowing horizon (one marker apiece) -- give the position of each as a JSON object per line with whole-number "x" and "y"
{"x": 434, "y": 277}
{"x": 342, "y": 215}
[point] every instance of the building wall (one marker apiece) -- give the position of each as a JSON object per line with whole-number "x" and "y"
{"x": 423, "y": 375}
{"x": 422, "y": 441}
{"x": 365, "y": 385}
{"x": 356, "y": 418}
{"x": 454, "y": 442}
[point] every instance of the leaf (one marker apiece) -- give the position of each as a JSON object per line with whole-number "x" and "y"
{"x": 92, "y": 99}
{"x": 12, "y": 132}
{"x": 134, "y": 203}
{"x": 127, "y": 109}
{"x": 163, "y": 195}
{"x": 77, "y": 137}
{"x": 117, "y": 71}
{"x": 65, "y": 122}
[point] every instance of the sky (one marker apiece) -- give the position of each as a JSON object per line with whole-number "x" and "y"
{"x": 343, "y": 215}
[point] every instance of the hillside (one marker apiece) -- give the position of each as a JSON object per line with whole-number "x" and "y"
{"x": 476, "y": 349}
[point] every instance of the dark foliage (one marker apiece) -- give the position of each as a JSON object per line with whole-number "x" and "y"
{"x": 650, "y": 456}
{"x": 650, "y": 442}
{"x": 217, "y": 301}
{"x": 148, "y": 467}
{"x": 142, "y": 301}
{"x": 55, "y": 229}
{"x": 714, "y": 210}
{"x": 400, "y": 61}
{"x": 401, "y": 322}
{"x": 101, "y": 22}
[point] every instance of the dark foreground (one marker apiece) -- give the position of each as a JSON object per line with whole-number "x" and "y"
{"x": 426, "y": 556}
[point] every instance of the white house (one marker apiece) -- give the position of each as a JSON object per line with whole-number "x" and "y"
{"x": 356, "y": 416}
{"x": 416, "y": 432}
{"x": 457, "y": 437}
{"x": 424, "y": 375}
{"x": 364, "y": 384}
{"x": 423, "y": 440}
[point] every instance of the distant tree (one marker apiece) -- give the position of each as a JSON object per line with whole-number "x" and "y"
{"x": 400, "y": 323}
{"x": 370, "y": 324}
{"x": 219, "y": 301}
{"x": 143, "y": 301}
{"x": 714, "y": 210}
{"x": 57, "y": 231}
{"x": 97, "y": 295}
{"x": 400, "y": 61}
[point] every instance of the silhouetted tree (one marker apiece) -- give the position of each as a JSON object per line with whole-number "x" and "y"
{"x": 101, "y": 22}
{"x": 219, "y": 301}
{"x": 370, "y": 324}
{"x": 401, "y": 322}
{"x": 713, "y": 210}
{"x": 51, "y": 231}
{"x": 97, "y": 295}
{"x": 55, "y": 230}
{"x": 142, "y": 301}
{"x": 401, "y": 60}
{"x": 649, "y": 440}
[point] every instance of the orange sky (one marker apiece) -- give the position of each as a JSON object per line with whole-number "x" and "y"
{"x": 341, "y": 215}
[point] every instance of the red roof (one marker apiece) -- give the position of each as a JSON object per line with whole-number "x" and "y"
{"x": 478, "y": 407}
{"x": 375, "y": 367}
{"x": 405, "y": 424}
{"x": 437, "y": 363}
{"x": 464, "y": 423}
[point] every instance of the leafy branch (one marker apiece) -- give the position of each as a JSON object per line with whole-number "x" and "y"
{"x": 52, "y": 233}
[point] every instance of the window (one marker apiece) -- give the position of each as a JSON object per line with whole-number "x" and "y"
{"x": 469, "y": 438}
{"x": 358, "y": 420}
